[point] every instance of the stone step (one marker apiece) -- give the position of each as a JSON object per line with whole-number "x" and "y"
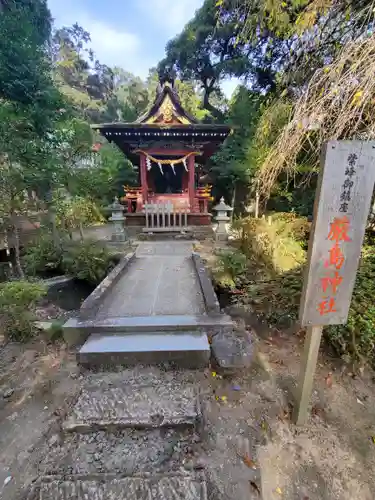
{"x": 124, "y": 452}
{"x": 128, "y": 403}
{"x": 76, "y": 331}
{"x": 185, "y": 349}
{"x": 165, "y": 487}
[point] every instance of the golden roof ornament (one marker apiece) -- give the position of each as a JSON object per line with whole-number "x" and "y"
{"x": 167, "y": 110}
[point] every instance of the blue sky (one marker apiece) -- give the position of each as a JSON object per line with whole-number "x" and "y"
{"x": 129, "y": 33}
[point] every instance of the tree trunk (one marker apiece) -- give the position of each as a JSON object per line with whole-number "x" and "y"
{"x": 233, "y": 200}
{"x": 16, "y": 237}
{"x": 81, "y": 231}
{"x": 52, "y": 218}
{"x": 207, "y": 105}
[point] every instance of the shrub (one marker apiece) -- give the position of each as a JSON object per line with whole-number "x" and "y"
{"x": 230, "y": 266}
{"x": 357, "y": 338}
{"x": 17, "y": 304}
{"x": 75, "y": 212}
{"x": 277, "y": 242}
{"x": 42, "y": 256}
{"x": 88, "y": 262}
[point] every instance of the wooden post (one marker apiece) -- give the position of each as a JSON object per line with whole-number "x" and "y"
{"x": 191, "y": 162}
{"x": 257, "y": 201}
{"x": 307, "y": 370}
{"x": 144, "y": 177}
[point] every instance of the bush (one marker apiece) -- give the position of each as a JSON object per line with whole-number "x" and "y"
{"x": 277, "y": 242}
{"x": 83, "y": 260}
{"x": 42, "y": 257}
{"x": 278, "y": 299}
{"x": 230, "y": 266}
{"x": 76, "y": 213}
{"x": 17, "y": 304}
{"x": 356, "y": 339}
{"x": 88, "y": 262}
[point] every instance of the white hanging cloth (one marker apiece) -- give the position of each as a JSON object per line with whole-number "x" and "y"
{"x": 148, "y": 163}
{"x": 161, "y": 168}
{"x": 185, "y": 164}
{"x": 174, "y": 171}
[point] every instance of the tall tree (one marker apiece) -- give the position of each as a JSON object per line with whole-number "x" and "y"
{"x": 208, "y": 52}
{"x": 234, "y": 165}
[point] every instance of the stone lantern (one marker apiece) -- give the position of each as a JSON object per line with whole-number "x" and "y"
{"x": 118, "y": 220}
{"x": 222, "y": 220}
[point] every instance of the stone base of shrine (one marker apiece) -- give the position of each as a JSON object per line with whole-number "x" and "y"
{"x": 194, "y": 219}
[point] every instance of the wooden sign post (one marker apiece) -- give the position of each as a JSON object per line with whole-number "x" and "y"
{"x": 342, "y": 205}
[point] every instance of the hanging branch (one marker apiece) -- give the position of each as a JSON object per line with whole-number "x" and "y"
{"x": 337, "y": 104}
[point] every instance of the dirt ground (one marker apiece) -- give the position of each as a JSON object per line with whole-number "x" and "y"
{"x": 332, "y": 457}
{"x": 248, "y": 416}
{"x": 250, "y": 449}
{"x": 37, "y": 383}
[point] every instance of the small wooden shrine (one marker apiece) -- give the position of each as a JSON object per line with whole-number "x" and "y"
{"x": 170, "y": 149}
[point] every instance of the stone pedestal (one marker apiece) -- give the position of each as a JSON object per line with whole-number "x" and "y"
{"x": 118, "y": 220}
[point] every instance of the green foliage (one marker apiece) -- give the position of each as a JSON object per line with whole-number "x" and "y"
{"x": 25, "y": 71}
{"x": 357, "y": 337}
{"x": 88, "y": 262}
{"x": 84, "y": 260}
{"x": 42, "y": 256}
{"x": 271, "y": 282}
{"x": 208, "y": 52}
{"x": 17, "y": 304}
{"x": 230, "y": 265}
{"x": 75, "y": 212}
{"x": 104, "y": 179}
{"x": 55, "y": 332}
{"x": 277, "y": 241}
{"x": 233, "y": 164}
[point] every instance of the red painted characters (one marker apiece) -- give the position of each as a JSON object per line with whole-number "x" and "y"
{"x": 338, "y": 233}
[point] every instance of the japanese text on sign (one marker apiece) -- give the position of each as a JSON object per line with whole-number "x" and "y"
{"x": 341, "y": 209}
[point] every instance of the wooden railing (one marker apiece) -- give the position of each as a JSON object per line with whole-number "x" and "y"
{"x": 165, "y": 217}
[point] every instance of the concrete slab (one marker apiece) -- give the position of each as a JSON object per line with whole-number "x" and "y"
{"x": 126, "y": 452}
{"x": 147, "y": 405}
{"x": 151, "y": 323}
{"x": 179, "y": 487}
{"x": 155, "y": 285}
{"x": 76, "y": 331}
{"x": 186, "y": 349}
{"x": 154, "y": 248}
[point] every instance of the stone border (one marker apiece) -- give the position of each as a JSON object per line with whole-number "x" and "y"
{"x": 209, "y": 296}
{"x": 90, "y": 305}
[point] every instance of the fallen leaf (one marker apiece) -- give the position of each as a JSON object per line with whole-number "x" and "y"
{"x": 264, "y": 425}
{"x": 284, "y": 414}
{"x": 360, "y": 402}
{"x": 255, "y": 487}
{"x": 329, "y": 380}
{"x": 213, "y": 374}
{"x": 223, "y": 398}
{"x": 373, "y": 439}
{"x": 278, "y": 490}
{"x": 248, "y": 461}
{"x": 317, "y": 411}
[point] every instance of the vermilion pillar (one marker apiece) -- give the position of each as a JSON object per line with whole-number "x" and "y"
{"x": 191, "y": 163}
{"x": 143, "y": 177}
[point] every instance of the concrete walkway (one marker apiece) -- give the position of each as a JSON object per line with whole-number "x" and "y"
{"x": 133, "y": 434}
{"x": 160, "y": 281}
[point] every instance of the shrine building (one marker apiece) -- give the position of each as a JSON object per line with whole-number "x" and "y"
{"x": 170, "y": 148}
